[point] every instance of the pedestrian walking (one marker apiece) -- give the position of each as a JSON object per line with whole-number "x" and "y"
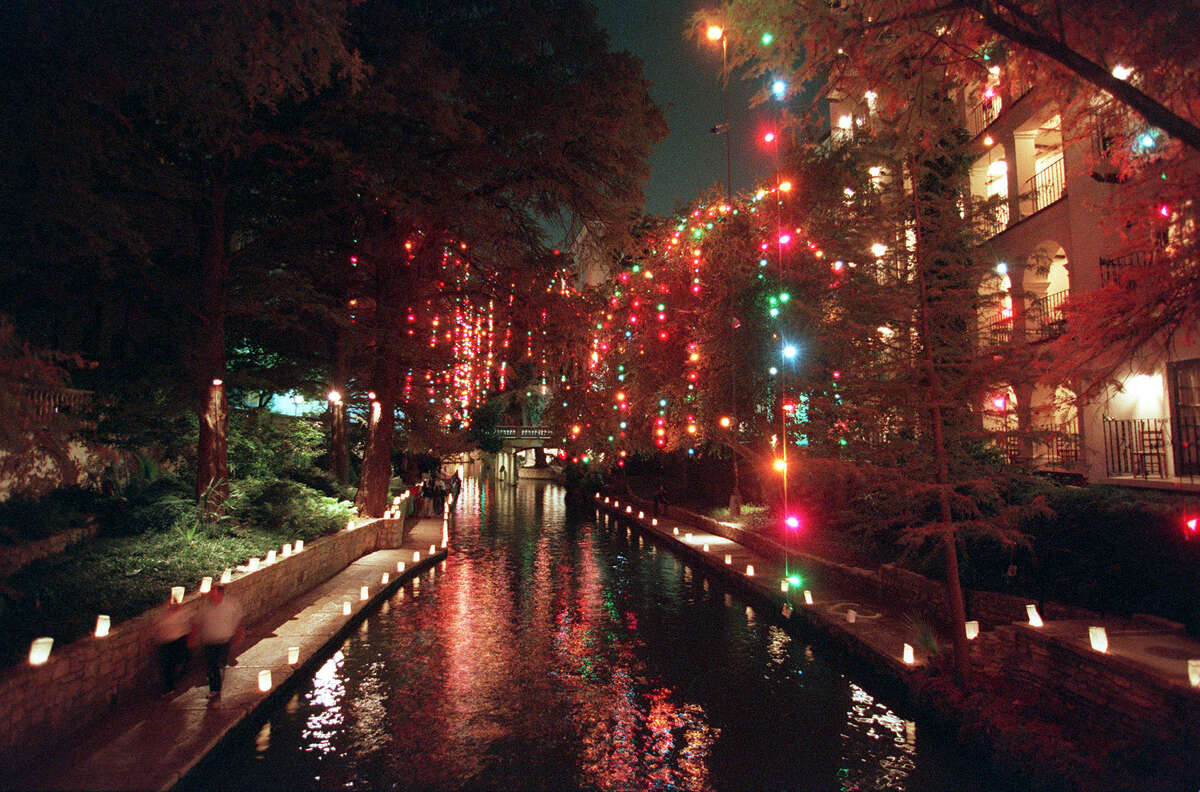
{"x": 171, "y": 635}
{"x": 427, "y": 498}
{"x": 455, "y": 489}
{"x": 439, "y": 497}
{"x": 660, "y": 498}
{"x": 217, "y": 628}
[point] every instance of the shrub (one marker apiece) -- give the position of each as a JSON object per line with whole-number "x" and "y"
{"x": 322, "y": 481}
{"x": 287, "y": 507}
{"x": 164, "y": 504}
{"x": 264, "y": 445}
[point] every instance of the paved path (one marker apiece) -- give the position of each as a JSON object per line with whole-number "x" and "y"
{"x": 151, "y": 743}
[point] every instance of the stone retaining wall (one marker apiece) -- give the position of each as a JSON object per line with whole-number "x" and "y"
{"x": 86, "y": 678}
{"x": 17, "y": 557}
{"x": 1108, "y": 692}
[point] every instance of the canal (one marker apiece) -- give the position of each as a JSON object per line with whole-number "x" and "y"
{"x": 554, "y": 649}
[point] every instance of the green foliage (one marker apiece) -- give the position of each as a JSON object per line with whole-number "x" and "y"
{"x": 263, "y": 445}
{"x": 924, "y": 633}
{"x": 322, "y": 481}
{"x": 151, "y": 540}
{"x": 287, "y": 507}
{"x": 483, "y": 426}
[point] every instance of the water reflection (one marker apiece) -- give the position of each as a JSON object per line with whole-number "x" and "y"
{"x": 558, "y": 651}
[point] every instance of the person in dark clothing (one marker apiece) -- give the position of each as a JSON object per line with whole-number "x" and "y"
{"x": 660, "y": 498}
{"x": 427, "y": 498}
{"x": 171, "y": 634}
{"x": 439, "y": 497}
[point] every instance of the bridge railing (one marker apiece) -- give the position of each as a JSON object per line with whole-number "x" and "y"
{"x": 524, "y": 432}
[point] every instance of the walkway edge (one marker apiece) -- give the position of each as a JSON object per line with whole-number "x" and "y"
{"x": 309, "y": 666}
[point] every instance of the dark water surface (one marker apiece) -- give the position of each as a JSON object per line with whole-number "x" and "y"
{"x": 553, "y": 651}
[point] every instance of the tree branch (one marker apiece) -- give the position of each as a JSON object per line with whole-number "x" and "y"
{"x": 1153, "y": 111}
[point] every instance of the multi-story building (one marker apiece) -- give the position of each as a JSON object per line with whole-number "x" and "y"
{"x": 1052, "y": 239}
{"x": 1049, "y": 237}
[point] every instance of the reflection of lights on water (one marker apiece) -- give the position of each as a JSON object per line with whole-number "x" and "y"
{"x": 778, "y": 645}
{"x": 885, "y": 742}
{"x": 325, "y": 711}
{"x": 263, "y": 740}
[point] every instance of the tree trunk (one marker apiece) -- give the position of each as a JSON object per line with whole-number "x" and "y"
{"x": 376, "y": 473}
{"x": 958, "y": 618}
{"x": 212, "y": 465}
{"x": 339, "y": 459}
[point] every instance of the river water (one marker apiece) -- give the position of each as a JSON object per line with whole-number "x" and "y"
{"x": 555, "y": 650}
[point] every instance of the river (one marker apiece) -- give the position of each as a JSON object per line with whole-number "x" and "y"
{"x": 555, "y": 649}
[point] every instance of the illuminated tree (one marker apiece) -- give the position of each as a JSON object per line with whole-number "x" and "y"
{"x": 1131, "y": 93}
{"x": 480, "y": 125}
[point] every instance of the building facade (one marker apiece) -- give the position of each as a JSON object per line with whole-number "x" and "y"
{"x": 1052, "y": 239}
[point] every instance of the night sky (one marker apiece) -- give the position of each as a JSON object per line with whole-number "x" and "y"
{"x": 686, "y": 83}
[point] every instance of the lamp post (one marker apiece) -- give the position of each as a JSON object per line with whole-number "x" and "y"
{"x": 717, "y": 33}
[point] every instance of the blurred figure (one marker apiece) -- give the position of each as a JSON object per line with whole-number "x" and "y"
{"x": 171, "y": 634}
{"x": 217, "y": 628}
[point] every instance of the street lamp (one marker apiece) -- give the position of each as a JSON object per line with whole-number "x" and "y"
{"x": 717, "y": 33}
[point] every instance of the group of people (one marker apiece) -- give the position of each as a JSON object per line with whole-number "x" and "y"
{"x": 435, "y": 490}
{"x": 215, "y": 629}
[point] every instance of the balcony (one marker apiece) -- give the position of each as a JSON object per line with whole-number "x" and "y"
{"x": 79, "y": 404}
{"x": 1136, "y": 447}
{"x": 1046, "y": 318}
{"x": 540, "y": 433}
{"x": 993, "y": 220}
{"x": 1047, "y": 185}
{"x": 1060, "y": 446}
{"x": 980, "y": 115}
{"x": 997, "y": 333}
{"x": 1111, "y": 269}
{"x": 1057, "y": 448}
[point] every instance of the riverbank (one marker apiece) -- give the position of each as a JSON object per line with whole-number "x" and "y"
{"x": 151, "y": 742}
{"x": 1041, "y": 701}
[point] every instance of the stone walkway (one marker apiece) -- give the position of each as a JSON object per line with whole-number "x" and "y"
{"x": 151, "y": 743}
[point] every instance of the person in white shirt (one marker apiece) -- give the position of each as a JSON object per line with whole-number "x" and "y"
{"x": 217, "y": 627}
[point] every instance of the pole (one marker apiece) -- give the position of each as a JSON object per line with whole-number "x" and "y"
{"x": 725, "y": 117}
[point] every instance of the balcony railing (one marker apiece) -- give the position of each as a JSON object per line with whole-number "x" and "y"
{"x": 1047, "y": 185}
{"x": 981, "y": 114}
{"x": 79, "y": 404}
{"x": 994, "y": 220}
{"x": 1111, "y": 268}
{"x": 1062, "y": 445}
{"x": 996, "y": 333}
{"x": 1136, "y": 446}
{"x": 523, "y": 432}
{"x": 1045, "y": 317}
